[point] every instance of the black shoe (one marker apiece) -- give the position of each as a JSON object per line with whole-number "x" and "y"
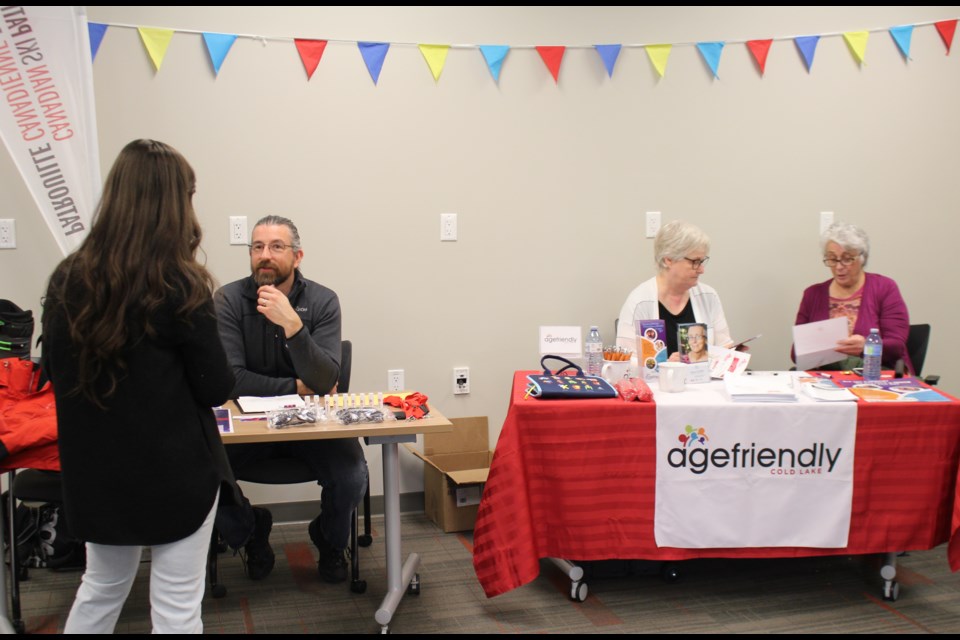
{"x": 259, "y": 555}
{"x": 332, "y": 565}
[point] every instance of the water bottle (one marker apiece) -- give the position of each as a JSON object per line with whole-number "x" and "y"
{"x": 872, "y": 351}
{"x": 594, "y": 352}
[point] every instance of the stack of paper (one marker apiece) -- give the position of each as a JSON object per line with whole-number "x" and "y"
{"x": 827, "y": 391}
{"x": 761, "y": 386}
{"x": 256, "y": 404}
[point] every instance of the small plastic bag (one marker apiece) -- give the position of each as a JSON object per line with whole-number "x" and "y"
{"x": 631, "y": 389}
{"x": 283, "y": 418}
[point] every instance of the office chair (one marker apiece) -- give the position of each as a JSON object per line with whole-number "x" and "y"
{"x": 918, "y": 338}
{"x": 31, "y": 485}
{"x": 295, "y": 471}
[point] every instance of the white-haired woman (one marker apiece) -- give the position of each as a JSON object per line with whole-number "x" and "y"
{"x": 675, "y": 295}
{"x": 866, "y": 300}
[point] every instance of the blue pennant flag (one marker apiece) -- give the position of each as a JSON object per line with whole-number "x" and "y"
{"x": 374, "y": 54}
{"x": 807, "y": 46}
{"x": 218, "y": 45}
{"x": 902, "y": 36}
{"x": 711, "y": 54}
{"x": 609, "y": 53}
{"x": 494, "y": 55}
{"x": 96, "y": 36}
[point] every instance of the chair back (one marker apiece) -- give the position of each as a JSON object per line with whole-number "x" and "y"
{"x": 346, "y": 363}
{"x": 917, "y": 340}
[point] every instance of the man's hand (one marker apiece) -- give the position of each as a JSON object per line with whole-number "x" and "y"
{"x": 852, "y": 346}
{"x": 273, "y": 304}
{"x": 304, "y": 390}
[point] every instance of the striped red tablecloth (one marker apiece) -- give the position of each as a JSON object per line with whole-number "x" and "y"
{"x": 575, "y": 479}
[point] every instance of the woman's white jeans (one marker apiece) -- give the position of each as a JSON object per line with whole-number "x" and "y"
{"x": 177, "y": 581}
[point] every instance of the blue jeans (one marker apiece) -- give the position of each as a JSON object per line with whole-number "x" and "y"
{"x": 337, "y": 465}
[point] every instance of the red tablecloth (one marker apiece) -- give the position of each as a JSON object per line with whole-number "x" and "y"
{"x": 575, "y": 479}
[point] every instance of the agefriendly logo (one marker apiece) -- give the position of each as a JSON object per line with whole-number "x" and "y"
{"x": 816, "y": 459}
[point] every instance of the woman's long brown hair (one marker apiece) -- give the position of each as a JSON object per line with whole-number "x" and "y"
{"x": 140, "y": 254}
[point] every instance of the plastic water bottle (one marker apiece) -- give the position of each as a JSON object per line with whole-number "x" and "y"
{"x": 594, "y": 352}
{"x": 872, "y": 351}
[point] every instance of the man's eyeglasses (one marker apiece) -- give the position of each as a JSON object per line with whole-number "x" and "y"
{"x": 844, "y": 260}
{"x": 698, "y": 262}
{"x": 276, "y": 248}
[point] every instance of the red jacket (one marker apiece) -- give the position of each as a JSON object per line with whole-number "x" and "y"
{"x": 28, "y": 418}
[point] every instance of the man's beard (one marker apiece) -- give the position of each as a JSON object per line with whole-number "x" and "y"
{"x": 273, "y": 277}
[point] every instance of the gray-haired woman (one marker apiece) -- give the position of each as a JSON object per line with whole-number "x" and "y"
{"x": 866, "y": 300}
{"x": 675, "y": 295}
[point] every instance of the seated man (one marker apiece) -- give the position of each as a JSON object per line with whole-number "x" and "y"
{"x": 281, "y": 333}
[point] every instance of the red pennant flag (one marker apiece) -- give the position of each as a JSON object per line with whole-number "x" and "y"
{"x": 946, "y": 29}
{"x": 552, "y": 57}
{"x": 310, "y": 53}
{"x": 759, "y": 49}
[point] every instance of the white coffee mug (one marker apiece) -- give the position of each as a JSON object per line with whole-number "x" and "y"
{"x": 615, "y": 370}
{"x": 673, "y": 376}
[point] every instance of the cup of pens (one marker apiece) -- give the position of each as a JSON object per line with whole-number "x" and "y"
{"x": 616, "y": 364}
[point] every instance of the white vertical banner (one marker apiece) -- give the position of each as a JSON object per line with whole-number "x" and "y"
{"x": 47, "y": 114}
{"x": 737, "y": 474}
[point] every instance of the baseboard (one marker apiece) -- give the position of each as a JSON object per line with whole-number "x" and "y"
{"x": 308, "y": 509}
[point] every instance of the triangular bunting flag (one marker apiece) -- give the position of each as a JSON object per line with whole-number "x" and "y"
{"x": 373, "y": 55}
{"x": 552, "y": 57}
{"x": 711, "y": 54}
{"x": 96, "y": 36}
{"x": 807, "y": 46}
{"x": 609, "y": 53}
{"x": 156, "y": 42}
{"x": 310, "y": 53}
{"x": 494, "y": 55}
{"x": 902, "y": 36}
{"x": 436, "y": 57}
{"x": 946, "y": 29}
{"x": 760, "y": 49}
{"x": 658, "y": 54}
{"x": 218, "y": 45}
{"x": 857, "y": 41}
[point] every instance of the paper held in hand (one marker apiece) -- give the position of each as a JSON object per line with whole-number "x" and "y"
{"x": 815, "y": 343}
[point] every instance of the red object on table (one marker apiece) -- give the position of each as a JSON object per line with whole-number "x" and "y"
{"x": 575, "y": 479}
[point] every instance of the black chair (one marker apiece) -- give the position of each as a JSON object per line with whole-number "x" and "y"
{"x": 30, "y": 485}
{"x": 295, "y": 471}
{"x": 918, "y": 339}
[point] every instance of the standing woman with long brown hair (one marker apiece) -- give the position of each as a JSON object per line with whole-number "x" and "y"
{"x": 130, "y": 342}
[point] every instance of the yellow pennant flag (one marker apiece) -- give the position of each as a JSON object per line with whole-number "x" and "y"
{"x": 156, "y": 41}
{"x": 436, "y": 57}
{"x": 857, "y": 41}
{"x": 658, "y": 54}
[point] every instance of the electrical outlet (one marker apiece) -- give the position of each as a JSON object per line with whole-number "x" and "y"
{"x": 826, "y": 219}
{"x": 448, "y": 227}
{"x": 238, "y": 229}
{"x": 8, "y": 234}
{"x": 395, "y": 380}
{"x": 653, "y": 223}
{"x": 461, "y": 380}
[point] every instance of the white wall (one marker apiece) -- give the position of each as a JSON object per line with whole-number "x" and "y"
{"x": 550, "y": 182}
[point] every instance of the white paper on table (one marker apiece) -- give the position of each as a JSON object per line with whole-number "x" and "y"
{"x": 256, "y": 404}
{"x": 815, "y": 343}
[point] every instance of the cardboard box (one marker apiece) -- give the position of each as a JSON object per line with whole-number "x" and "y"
{"x": 455, "y": 469}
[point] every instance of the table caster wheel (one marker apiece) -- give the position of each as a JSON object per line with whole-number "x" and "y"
{"x": 891, "y": 591}
{"x": 218, "y": 591}
{"x": 670, "y": 573}
{"x": 414, "y": 587}
{"x": 364, "y": 540}
{"x": 578, "y": 591}
{"x": 358, "y": 586}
